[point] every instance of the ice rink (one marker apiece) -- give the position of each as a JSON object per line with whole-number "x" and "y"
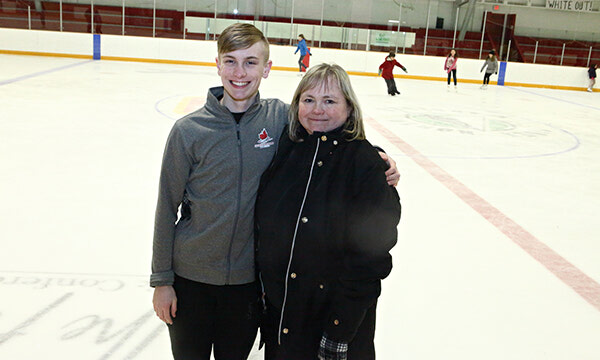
{"x": 499, "y": 244}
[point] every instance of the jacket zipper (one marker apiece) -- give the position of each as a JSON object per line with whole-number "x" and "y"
{"x": 239, "y": 200}
{"x": 287, "y": 274}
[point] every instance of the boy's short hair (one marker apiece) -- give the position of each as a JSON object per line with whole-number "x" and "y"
{"x": 241, "y": 36}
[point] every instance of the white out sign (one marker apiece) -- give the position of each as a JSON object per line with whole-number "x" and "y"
{"x": 573, "y": 5}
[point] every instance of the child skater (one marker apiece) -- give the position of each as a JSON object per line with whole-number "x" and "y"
{"x": 492, "y": 68}
{"x": 592, "y": 76}
{"x": 386, "y": 69}
{"x": 450, "y": 66}
{"x": 303, "y": 51}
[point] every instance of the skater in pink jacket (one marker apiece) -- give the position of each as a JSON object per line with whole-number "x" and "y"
{"x": 450, "y": 66}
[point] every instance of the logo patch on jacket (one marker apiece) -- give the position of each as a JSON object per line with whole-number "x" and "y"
{"x": 264, "y": 140}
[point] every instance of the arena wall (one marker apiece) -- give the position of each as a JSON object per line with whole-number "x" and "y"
{"x": 161, "y": 50}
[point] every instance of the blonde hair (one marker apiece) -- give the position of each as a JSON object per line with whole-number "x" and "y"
{"x": 241, "y": 36}
{"x": 320, "y": 75}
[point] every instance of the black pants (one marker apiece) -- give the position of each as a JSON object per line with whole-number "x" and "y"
{"x": 486, "y": 78}
{"x": 225, "y": 317}
{"x": 300, "y": 63}
{"x": 452, "y": 73}
{"x": 391, "y": 86}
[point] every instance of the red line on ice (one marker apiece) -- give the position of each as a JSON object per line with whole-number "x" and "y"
{"x": 584, "y": 285}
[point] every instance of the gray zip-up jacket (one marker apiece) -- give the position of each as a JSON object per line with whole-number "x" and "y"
{"x": 492, "y": 66}
{"x": 213, "y": 165}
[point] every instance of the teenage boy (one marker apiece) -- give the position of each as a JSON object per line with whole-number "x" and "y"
{"x": 203, "y": 259}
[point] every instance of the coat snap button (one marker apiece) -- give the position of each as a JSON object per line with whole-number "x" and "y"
{"x": 321, "y": 286}
{"x": 336, "y": 322}
{"x": 304, "y": 219}
{"x": 293, "y": 275}
{"x": 335, "y": 142}
{"x": 320, "y": 163}
{"x": 323, "y": 138}
{"x": 285, "y": 330}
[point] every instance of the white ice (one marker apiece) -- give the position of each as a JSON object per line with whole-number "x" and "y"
{"x": 80, "y": 151}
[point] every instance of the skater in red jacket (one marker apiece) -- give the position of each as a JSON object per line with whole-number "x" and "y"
{"x": 385, "y": 70}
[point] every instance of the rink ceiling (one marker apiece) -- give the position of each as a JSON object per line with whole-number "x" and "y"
{"x": 487, "y": 176}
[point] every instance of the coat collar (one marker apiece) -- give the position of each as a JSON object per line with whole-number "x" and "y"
{"x": 335, "y": 134}
{"x": 213, "y": 102}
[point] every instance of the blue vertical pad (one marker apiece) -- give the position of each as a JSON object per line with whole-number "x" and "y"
{"x": 501, "y": 73}
{"x": 96, "y": 46}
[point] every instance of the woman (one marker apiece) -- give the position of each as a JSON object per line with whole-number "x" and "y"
{"x": 386, "y": 71}
{"x": 450, "y": 66}
{"x": 303, "y": 51}
{"x": 492, "y": 67}
{"x": 325, "y": 223}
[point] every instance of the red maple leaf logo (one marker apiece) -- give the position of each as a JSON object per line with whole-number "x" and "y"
{"x": 263, "y": 135}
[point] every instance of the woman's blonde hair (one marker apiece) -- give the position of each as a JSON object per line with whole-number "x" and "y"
{"x": 321, "y": 75}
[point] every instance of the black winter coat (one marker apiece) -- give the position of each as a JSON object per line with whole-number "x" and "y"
{"x": 322, "y": 250}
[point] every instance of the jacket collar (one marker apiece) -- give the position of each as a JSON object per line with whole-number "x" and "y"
{"x": 213, "y": 103}
{"x": 335, "y": 134}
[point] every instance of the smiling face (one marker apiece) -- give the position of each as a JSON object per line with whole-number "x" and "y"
{"x": 241, "y": 72}
{"x": 323, "y": 108}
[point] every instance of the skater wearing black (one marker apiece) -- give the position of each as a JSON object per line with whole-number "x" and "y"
{"x": 592, "y": 76}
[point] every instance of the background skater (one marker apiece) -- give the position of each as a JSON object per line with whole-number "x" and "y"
{"x": 450, "y": 66}
{"x": 592, "y": 76}
{"x": 303, "y": 51}
{"x": 492, "y": 68}
{"x": 386, "y": 71}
